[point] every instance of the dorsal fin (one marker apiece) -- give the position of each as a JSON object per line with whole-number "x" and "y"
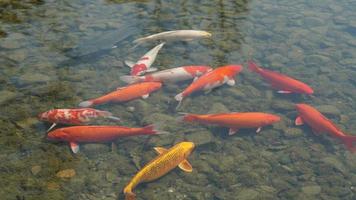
{"x": 160, "y": 150}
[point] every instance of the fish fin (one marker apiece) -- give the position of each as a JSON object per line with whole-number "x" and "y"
{"x": 114, "y": 47}
{"x": 160, "y": 150}
{"x": 195, "y": 79}
{"x": 259, "y": 129}
{"x": 130, "y": 196}
{"x": 349, "y": 141}
{"x": 113, "y": 147}
{"x": 129, "y": 63}
{"x": 145, "y": 96}
{"x": 153, "y": 129}
{"x": 107, "y": 114}
{"x": 52, "y": 126}
{"x": 74, "y": 147}
{"x": 252, "y": 66}
{"x": 232, "y": 131}
{"x": 231, "y": 82}
{"x": 131, "y": 79}
{"x": 188, "y": 117}
{"x": 179, "y": 97}
{"x": 207, "y": 91}
{"x": 284, "y": 92}
{"x": 86, "y": 104}
{"x": 185, "y": 166}
{"x": 299, "y": 121}
{"x": 151, "y": 69}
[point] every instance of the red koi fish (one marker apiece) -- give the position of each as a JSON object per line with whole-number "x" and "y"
{"x": 126, "y": 93}
{"x": 210, "y": 80}
{"x": 235, "y": 121}
{"x": 78, "y": 134}
{"x": 170, "y": 75}
{"x": 73, "y": 116}
{"x": 284, "y": 84}
{"x": 144, "y": 63}
{"x": 320, "y": 124}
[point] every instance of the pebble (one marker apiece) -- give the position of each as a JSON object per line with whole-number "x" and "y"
{"x": 67, "y": 173}
{"x": 311, "y": 190}
{"x": 36, "y": 169}
{"x": 6, "y": 96}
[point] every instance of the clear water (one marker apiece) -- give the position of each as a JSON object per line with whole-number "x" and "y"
{"x": 55, "y": 54}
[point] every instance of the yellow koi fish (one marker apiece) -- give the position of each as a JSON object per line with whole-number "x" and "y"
{"x": 167, "y": 160}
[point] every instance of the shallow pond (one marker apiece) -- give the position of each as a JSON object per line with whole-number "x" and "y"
{"x": 55, "y": 54}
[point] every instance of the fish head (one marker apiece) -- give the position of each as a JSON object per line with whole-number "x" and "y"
{"x": 234, "y": 69}
{"x": 302, "y": 108}
{"x": 271, "y": 119}
{"x": 58, "y": 135}
{"x": 46, "y": 115}
{"x": 308, "y": 90}
{"x": 187, "y": 148}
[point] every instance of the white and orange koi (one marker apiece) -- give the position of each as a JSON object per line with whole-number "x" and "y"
{"x": 144, "y": 63}
{"x": 76, "y": 116}
{"x": 170, "y": 75}
{"x": 211, "y": 80}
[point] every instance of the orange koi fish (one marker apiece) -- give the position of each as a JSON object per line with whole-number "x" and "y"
{"x": 76, "y": 116}
{"x": 76, "y": 134}
{"x": 144, "y": 63}
{"x": 167, "y": 160}
{"x": 320, "y": 124}
{"x": 170, "y": 75}
{"x": 211, "y": 80}
{"x": 235, "y": 121}
{"x": 126, "y": 93}
{"x": 284, "y": 84}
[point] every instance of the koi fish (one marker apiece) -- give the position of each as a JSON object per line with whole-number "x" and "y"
{"x": 210, "y": 80}
{"x": 126, "y": 93}
{"x": 170, "y": 75}
{"x": 77, "y": 134}
{"x": 284, "y": 84}
{"x": 184, "y": 35}
{"x": 73, "y": 116}
{"x": 144, "y": 63}
{"x": 167, "y": 160}
{"x": 320, "y": 124}
{"x": 235, "y": 121}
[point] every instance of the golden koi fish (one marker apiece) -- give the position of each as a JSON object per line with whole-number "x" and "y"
{"x": 167, "y": 160}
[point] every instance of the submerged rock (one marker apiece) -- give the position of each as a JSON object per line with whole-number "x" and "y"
{"x": 35, "y": 169}
{"x": 200, "y": 138}
{"x": 329, "y": 109}
{"x": 30, "y": 78}
{"x": 247, "y": 194}
{"x": 6, "y": 96}
{"x": 311, "y": 190}
{"x": 53, "y": 186}
{"x": 67, "y": 173}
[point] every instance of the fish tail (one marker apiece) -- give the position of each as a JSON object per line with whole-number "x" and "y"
{"x": 108, "y": 114}
{"x": 129, "y": 195}
{"x": 187, "y": 117}
{"x": 348, "y": 140}
{"x": 253, "y": 66}
{"x": 86, "y": 103}
{"x": 153, "y": 129}
{"x": 131, "y": 79}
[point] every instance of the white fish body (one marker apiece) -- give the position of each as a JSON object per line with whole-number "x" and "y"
{"x": 144, "y": 63}
{"x": 185, "y": 35}
{"x": 169, "y": 75}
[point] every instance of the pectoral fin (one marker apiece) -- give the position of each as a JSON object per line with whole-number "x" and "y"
{"x": 284, "y": 92}
{"x": 129, "y": 63}
{"x": 151, "y": 69}
{"x": 299, "y": 121}
{"x": 185, "y": 166}
{"x": 231, "y": 82}
{"x": 160, "y": 150}
{"x": 74, "y": 147}
{"x": 50, "y": 128}
{"x": 145, "y": 96}
{"x": 258, "y": 130}
{"x": 232, "y": 131}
